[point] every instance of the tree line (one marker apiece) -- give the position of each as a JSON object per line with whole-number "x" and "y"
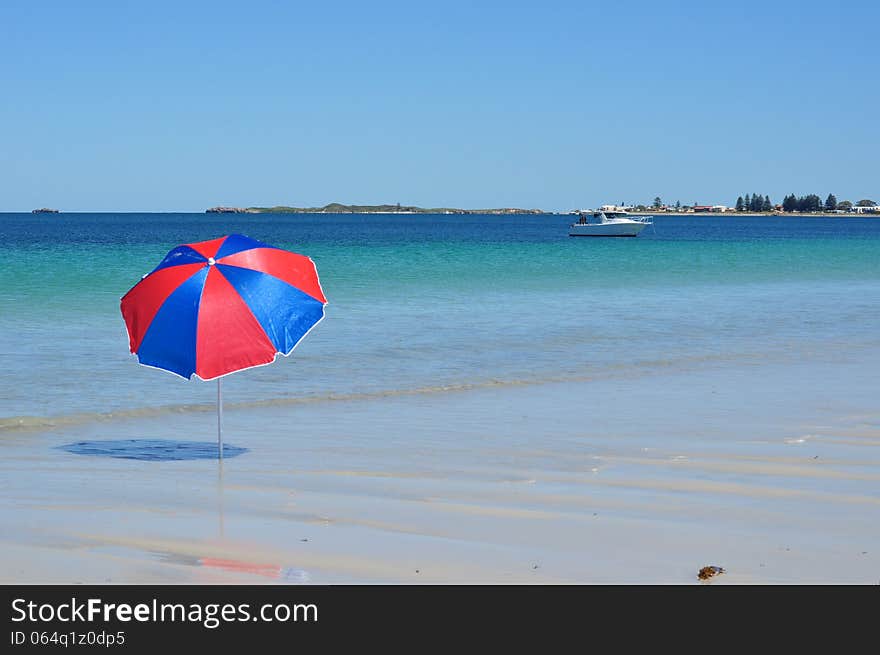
{"x": 808, "y": 203}
{"x": 812, "y": 203}
{"x": 792, "y": 203}
{"x": 754, "y": 203}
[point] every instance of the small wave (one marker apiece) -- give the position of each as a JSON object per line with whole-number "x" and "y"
{"x": 43, "y": 423}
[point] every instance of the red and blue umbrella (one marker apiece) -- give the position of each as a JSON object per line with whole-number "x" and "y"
{"x": 219, "y": 306}
{"x": 215, "y": 307}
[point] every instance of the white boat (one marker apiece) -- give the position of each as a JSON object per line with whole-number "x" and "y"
{"x": 617, "y": 223}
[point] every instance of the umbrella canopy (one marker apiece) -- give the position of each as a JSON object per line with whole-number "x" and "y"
{"x": 219, "y": 306}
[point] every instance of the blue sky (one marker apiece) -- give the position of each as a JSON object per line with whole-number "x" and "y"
{"x": 156, "y": 105}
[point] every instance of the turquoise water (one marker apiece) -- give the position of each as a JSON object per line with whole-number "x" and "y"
{"x": 421, "y": 303}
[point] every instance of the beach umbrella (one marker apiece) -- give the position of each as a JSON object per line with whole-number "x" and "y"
{"x": 215, "y": 307}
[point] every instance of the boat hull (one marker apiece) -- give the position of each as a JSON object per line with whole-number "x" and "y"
{"x": 615, "y": 229}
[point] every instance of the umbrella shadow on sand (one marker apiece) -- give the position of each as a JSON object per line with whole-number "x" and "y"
{"x": 153, "y": 450}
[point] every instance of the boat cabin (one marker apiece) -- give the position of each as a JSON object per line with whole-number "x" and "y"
{"x": 591, "y": 218}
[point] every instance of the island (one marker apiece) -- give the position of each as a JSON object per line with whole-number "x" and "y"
{"x": 339, "y": 208}
{"x": 45, "y": 210}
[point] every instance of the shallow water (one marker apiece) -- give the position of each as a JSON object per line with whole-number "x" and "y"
{"x": 761, "y": 471}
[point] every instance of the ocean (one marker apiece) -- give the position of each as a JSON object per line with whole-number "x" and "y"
{"x": 437, "y": 302}
{"x": 487, "y": 400}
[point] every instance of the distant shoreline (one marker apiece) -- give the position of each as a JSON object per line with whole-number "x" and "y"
{"x": 762, "y": 214}
{"x": 520, "y": 212}
{"x": 339, "y": 208}
{"x": 474, "y": 212}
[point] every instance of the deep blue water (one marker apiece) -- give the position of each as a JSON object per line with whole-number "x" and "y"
{"x": 133, "y": 229}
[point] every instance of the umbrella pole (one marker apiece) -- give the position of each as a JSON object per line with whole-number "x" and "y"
{"x": 219, "y": 420}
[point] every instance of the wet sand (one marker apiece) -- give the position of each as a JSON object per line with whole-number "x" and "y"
{"x": 638, "y": 481}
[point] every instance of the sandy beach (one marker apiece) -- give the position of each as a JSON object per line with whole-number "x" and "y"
{"x": 549, "y": 483}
